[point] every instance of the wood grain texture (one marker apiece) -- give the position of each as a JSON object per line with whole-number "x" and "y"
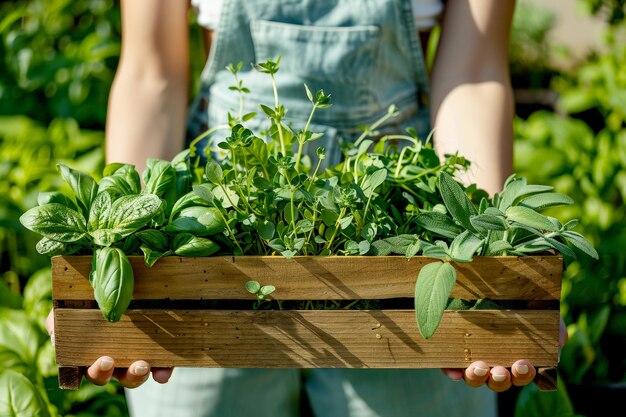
{"x": 306, "y": 339}
{"x": 317, "y": 278}
{"x": 70, "y": 377}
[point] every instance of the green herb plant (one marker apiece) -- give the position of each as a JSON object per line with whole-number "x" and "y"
{"x": 258, "y": 195}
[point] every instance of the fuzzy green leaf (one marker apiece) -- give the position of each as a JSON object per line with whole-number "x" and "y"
{"x": 529, "y": 217}
{"x": 486, "y": 222}
{"x": 432, "y": 290}
{"x": 543, "y": 200}
{"x": 456, "y": 201}
{"x": 438, "y": 223}
{"x": 464, "y": 246}
{"x": 579, "y": 242}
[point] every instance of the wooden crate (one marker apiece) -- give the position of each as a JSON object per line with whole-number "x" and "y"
{"x": 169, "y": 323}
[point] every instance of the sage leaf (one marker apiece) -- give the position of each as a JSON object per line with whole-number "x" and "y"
{"x": 186, "y": 244}
{"x": 486, "y": 222}
{"x": 83, "y": 185}
{"x": 529, "y": 217}
{"x": 56, "y": 222}
{"x": 464, "y": 246}
{"x": 456, "y": 201}
{"x": 113, "y": 282}
{"x": 579, "y": 242}
{"x": 512, "y": 188}
{"x": 380, "y": 248}
{"x": 435, "y": 251}
{"x": 497, "y": 247}
{"x": 438, "y": 223}
{"x": 432, "y": 290}
{"x": 541, "y": 201}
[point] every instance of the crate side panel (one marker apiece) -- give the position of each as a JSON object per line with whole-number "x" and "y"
{"x": 316, "y": 278}
{"x": 306, "y": 339}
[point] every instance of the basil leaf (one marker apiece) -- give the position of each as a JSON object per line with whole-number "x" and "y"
{"x": 186, "y": 244}
{"x": 113, "y": 282}
{"x": 154, "y": 239}
{"x": 151, "y": 256}
{"x": 20, "y": 397}
{"x": 456, "y": 201}
{"x": 56, "y": 222}
{"x": 432, "y": 290}
{"x": 51, "y": 247}
{"x": 158, "y": 177}
{"x": 198, "y": 220}
{"x": 123, "y": 180}
{"x": 127, "y": 214}
{"x": 55, "y": 197}
{"x": 83, "y": 185}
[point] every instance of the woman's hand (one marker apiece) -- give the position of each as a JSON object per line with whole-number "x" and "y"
{"x": 103, "y": 369}
{"x": 499, "y": 378}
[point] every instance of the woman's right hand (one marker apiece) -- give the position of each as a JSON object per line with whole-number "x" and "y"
{"x": 103, "y": 369}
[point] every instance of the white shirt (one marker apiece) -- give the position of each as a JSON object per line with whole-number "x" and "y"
{"x": 426, "y": 12}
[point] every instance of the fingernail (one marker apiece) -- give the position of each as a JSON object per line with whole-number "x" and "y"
{"x": 498, "y": 377}
{"x": 52, "y": 338}
{"x": 521, "y": 369}
{"x": 478, "y": 371}
{"x": 141, "y": 370}
{"x": 106, "y": 364}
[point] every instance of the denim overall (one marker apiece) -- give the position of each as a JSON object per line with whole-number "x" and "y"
{"x": 366, "y": 54}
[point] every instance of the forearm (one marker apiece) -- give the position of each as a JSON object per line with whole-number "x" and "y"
{"x": 148, "y": 99}
{"x": 476, "y": 120}
{"x": 146, "y": 119}
{"x": 472, "y": 105}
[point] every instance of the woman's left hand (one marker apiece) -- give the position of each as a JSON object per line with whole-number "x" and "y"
{"x": 499, "y": 378}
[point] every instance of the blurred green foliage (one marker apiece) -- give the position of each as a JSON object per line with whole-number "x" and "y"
{"x": 59, "y": 58}
{"x": 580, "y": 148}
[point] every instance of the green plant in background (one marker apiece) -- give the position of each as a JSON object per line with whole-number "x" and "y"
{"x": 583, "y": 154}
{"x": 62, "y": 53}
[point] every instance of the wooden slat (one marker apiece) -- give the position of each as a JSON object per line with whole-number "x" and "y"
{"x": 306, "y": 339}
{"x": 302, "y": 278}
